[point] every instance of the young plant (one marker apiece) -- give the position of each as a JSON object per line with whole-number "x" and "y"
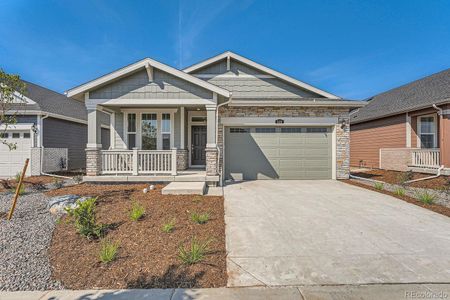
{"x": 194, "y": 253}
{"x": 379, "y": 186}
{"x": 137, "y": 211}
{"x": 84, "y": 218}
{"x": 197, "y": 199}
{"x": 169, "y": 226}
{"x": 21, "y": 190}
{"x": 400, "y": 192}
{"x": 17, "y": 177}
{"x": 404, "y": 177}
{"x": 426, "y": 197}
{"x": 108, "y": 251}
{"x": 58, "y": 183}
{"x": 199, "y": 218}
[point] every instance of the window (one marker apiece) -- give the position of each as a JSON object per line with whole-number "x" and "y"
{"x": 4, "y": 135}
{"x": 291, "y": 130}
{"x": 26, "y": 135}
{"x": 265, "y": 129}
{"x": 15, "y": 135}
{"x": 165, "y": 131}
{"x": 198, "y": 119}
{"x": 239, "y": 130}
{"x": 316, "y": 129}
{"x": 427, "y": 132}
{"x": 149, "y": 127}
{"x": 131, "y": 122}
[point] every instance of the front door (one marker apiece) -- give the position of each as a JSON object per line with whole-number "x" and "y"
{"x": 198, "y": 156}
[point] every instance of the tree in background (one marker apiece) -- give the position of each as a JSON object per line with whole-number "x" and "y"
{"x": 12, "y": 91}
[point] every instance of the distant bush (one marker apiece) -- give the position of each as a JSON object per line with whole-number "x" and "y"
{"x": 58, "y": 183}
{"x": 78, "y": 179}
{"x": 379, "y": 186}
{"x": 405, "y": 177}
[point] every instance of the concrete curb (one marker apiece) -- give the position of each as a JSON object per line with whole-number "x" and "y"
{"x": 375, "y": 291}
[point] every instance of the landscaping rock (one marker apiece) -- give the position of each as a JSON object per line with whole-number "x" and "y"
{"x": 57, "y": 205}
{"x": 24, "y": 241}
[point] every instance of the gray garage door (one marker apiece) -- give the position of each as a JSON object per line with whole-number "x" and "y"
{"x": 277, "y": 153}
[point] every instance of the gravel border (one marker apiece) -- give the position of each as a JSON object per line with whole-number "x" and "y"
{"x": 24, "y": 241}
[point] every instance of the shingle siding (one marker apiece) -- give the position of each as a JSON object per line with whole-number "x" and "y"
{"x": 163, "y": 86}
{"x": 64, "y": 134}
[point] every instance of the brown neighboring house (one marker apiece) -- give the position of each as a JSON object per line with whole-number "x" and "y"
{"x": 406, "y": 128}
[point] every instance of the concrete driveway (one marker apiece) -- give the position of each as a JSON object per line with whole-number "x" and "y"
{"x": 328, "y": 232}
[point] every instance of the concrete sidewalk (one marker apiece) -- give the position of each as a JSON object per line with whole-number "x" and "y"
{"x": 376, "y": 292}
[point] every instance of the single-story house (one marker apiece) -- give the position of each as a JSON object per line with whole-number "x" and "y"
{"x": 406, "y": 128}
{"x": 51, "y": 130}
{"x": 225, "y": 118}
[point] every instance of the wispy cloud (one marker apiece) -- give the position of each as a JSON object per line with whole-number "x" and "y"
{"x": 193, "y": 19}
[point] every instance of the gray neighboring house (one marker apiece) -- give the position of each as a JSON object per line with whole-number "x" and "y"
{"x": 225, "y": 118}
{"x": 51, "y": 130}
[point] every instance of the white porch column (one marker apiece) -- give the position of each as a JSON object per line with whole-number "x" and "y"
{"x": 94, "y": 144}
{"x": 94, "y": 129}
{"x": 211, "y": 126}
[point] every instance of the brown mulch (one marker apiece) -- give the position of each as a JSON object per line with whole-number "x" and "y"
{"x": 31, "y": 181}
{"x": 147, "y": 257}
{"x": 443, "y": 210}
{"x": 395, "y": 177}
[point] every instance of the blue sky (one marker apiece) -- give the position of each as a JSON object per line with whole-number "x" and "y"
{"x": 354, "y": 49}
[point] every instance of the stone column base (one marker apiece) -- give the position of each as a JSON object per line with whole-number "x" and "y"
{"x": 182, "y": 159}
{"x": 35, "y": 161}
{"x": 93, "y": 161}
{"x": 211, "y": 161}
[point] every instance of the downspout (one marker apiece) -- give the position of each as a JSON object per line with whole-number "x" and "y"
{"x": 42, "y": 151}
{"x": 217, "y": 137}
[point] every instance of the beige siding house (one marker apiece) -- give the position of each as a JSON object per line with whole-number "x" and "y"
{"x": 226, "y": 118}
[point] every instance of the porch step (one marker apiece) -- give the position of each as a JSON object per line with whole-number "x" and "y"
{"x": 184, "y": 188}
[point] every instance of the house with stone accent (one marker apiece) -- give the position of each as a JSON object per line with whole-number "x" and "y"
{"x": 44, "y": 121}
{"x": 226, "y": 118}
{"x": 406, "y": 128}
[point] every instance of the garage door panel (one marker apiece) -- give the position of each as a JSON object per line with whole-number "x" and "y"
{"x": 278, "y": 153}
{"x": 12, "y": 161}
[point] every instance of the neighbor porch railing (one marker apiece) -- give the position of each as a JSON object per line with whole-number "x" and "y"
{"x": 426, "y": 158}
{"x": 137, "y": 162}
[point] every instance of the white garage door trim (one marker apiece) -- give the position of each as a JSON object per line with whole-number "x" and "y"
{"x": 23, "y": 151}
{"x": 288, "y": 121}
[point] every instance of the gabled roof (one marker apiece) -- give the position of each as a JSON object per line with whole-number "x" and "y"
{"x": 49, "y": 101}
{"x": 260, "y": 67}
{"x": 419, "y": 94}
{"x": 146, "y": 62}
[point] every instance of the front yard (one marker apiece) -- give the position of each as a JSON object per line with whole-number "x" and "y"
{"x": 148, "y": 249}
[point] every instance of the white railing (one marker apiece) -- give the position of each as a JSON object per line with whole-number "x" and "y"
{"x": 426, "y": 158}
{"x": 138, "y": 162}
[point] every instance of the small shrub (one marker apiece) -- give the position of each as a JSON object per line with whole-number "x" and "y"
{"x": 400, "y": 192}
{"x": 84, "y": 218}
{"x": 379, "y": 186}
{"x": 21, "y": 190}
{"x": 137, "y": 211}
{"x": 58, "y": 183}
{"x": 78, "y": 179}
{"x": 169, "y": 226}
{"x": 199, "y": 218}
{"x": 426, "y": 197}
{"x": 17, "y": 177}
{"x": 108, "y": 251}
{"x": 404, "y": 177}
{"x": 194, "y": 253}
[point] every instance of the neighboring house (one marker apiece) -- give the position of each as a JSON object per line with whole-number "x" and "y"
{"x": 406, "y": 128}
{"x": 51, "y": 130}
{"x": 228, "y": 116}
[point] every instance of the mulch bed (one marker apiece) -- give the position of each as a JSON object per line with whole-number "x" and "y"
{"x": 394, "y": 177}
{"x": 433, "y": 207}
{"x": 147, "y": 257}
{"x": 31, "y": 181}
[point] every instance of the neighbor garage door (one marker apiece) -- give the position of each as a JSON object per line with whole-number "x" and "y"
{"x": 278, "y": 153}
{"x": 12, "y": 161}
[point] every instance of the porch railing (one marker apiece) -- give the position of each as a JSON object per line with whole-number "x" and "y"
{"x": 426, "y": 158}
{"x": 138, "y": 162}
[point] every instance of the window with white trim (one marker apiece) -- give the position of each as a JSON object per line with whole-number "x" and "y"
{"x": 131, "y": 127}
{"x": 149, "y": 131}
{"x": 427, "y": 132}
{"x": 165, "y": 131}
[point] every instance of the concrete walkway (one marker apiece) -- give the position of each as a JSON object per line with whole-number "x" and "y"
{"x": 282, "y": 233}
{"x": 375, "y": 292}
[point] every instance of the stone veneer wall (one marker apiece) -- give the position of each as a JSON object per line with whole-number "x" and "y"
{"x": 93, "y": 162}
{"x": 342, "y": 134}
{"x": 182, "y": 159}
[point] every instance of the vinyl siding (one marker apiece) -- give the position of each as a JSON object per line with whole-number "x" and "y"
{"x": 64, "y": 134}
{"x": 252, "y": 87}
{"x": 164, "y": 86}
{"x": 367, "y": 138}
